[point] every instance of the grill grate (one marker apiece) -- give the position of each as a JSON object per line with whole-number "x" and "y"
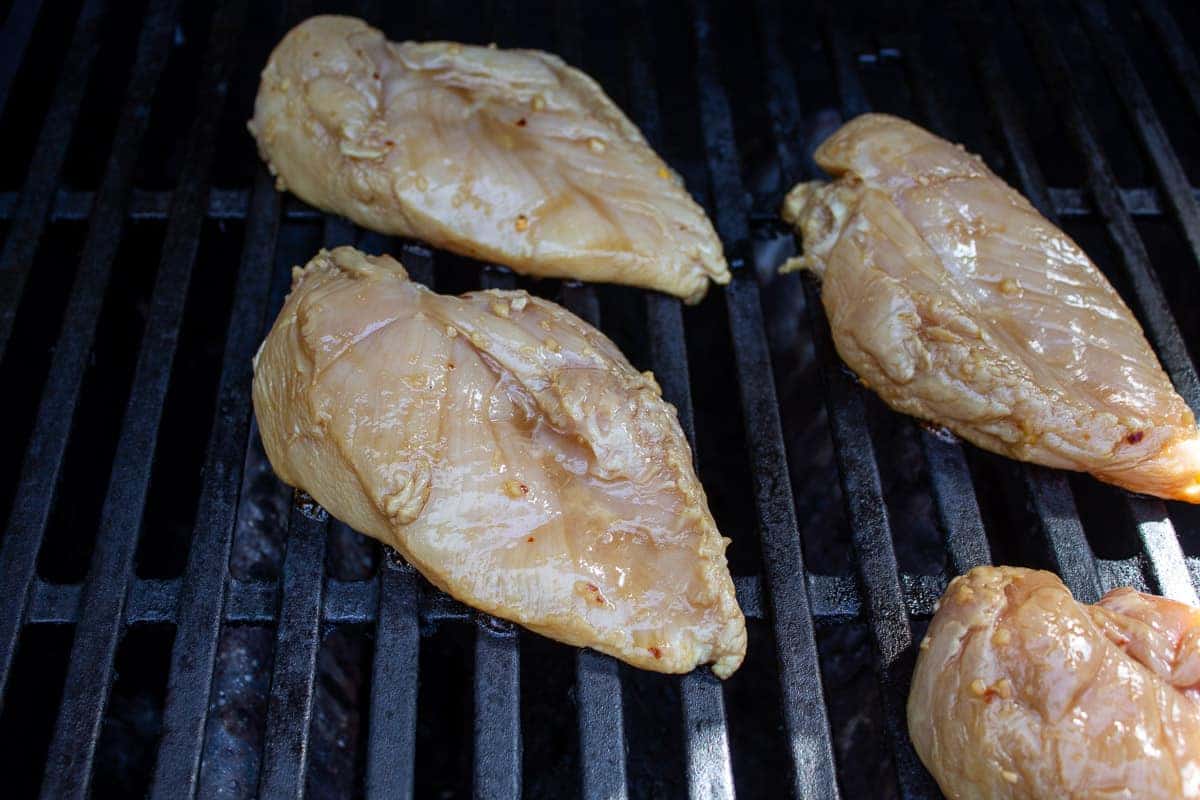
{"x": 719, "y": 150}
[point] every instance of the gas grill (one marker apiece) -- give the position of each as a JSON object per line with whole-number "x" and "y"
{"x": 173, "y": 622}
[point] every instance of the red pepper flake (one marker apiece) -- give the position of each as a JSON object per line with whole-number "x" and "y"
{"x": 654, "y": 651}
{"x": 593, "y": 587}
{"x": 524, "y": 489}
{"x": 521, "y": 122}
{"x": 530, "y": 539}
{"x": 375, "y": 75}
{"x": 1135, "y": 437}
{"x": 389, "y": 142}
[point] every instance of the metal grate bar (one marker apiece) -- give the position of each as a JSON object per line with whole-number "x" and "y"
{"x": 497, "y": 679}
{"x": 601, "y": 726}
{"x": 831, "y": 597}
{"x": 805, "y": 715}
{"x": 391, "y": 747}
{"x": 70, "y": 204}
{"x": 1129, "y": 87}
{"x": 298, "y": 636}
{"x": 290, "y": 704}
{"x": 1161, "y": 546}
{"x": 14, "y": 39}
{"x": 867, "y": 511}
{"x": 497, "y": 771}
{"x": 872, "y": 537}
{"x": 89, "y": 677}
{"x": 1069, "y": 550}
{"x": 37, "y": 194}
{"x": 957, "y": 506}
{"x": 1179, "y": 54}
{"x": 205, "y": 579}
{"x": 43, "y": 460}
{"x": 706, "y": 737}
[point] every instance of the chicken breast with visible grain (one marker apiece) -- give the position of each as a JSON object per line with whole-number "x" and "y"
{"x": 505, "y": 155}
{"x": 1022, "y": 692}
{"x": 508, "y": 450}
{"x": 957, "y": 302}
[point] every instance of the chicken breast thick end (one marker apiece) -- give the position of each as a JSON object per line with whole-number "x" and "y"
{"x": 509, "y": 156}
{"x": 508, "y": 451}
{"x": 1021, "y": 692}
{"x": 958, "y": 303}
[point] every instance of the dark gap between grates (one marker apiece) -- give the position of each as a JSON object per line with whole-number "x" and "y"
{"x": 624, "y": 314}
{"x": 25, "y": 365}
{"x": 1103, "y": 509}
{"x": 133, "y": 720}
{"x": 339, "y": 722}
{"x": 1177, "y": 278}
{"x": 654, "y": 735}
{"x": 31, "y": 91}
{"x": 920, "y": 546}
{"x": 1162, "y": 84}
{"x": 237, "y": 161}
{"x": 237, "y": 713}
{"x": 550, "y": 765}
{"x": 97, "y": 122}
{"x": 350, "y": 556}
{"x": 30, "y": 705}
{"x": 1059, "y": 162}
{"x": 160, "y": 159}
{"x": 176, "y": 479}
{"x": 1012, "y": 526}
{"x": 820, "y": 507}
{"x": 262, "y": 518}
{"x": 721, "y": 459}
{"x": 740, "y": 57}
{"x": 444, "y": 712}
{"x": 70, "y": 534}
{"x": 1096, "y": 95}
{"x": 855, "y": 714}
{"x": 757, "y": 736}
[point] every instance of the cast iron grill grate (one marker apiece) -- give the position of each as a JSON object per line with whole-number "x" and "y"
{"x": 145, "y": 249}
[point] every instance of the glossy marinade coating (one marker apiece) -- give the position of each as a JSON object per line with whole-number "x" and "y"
{"x": 950, "y": 296}
{"x": 1022, "y": 692}
{"x": 508, "y": 450}
{"x": 509, "y": 156}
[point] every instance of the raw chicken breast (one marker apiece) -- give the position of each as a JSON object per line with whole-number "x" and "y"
{"x": 1021, "y": 692}
{"x": 957, "y": 302}
{"x": 505, "y": 155}
{"x": 508, "y": 451}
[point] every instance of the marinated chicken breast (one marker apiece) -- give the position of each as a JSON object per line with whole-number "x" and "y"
{"x": 505, "y": 155}
{"x": 508, "y": 451}
{"x": 957, "y": 302}
{"x": 1021, "y": 692}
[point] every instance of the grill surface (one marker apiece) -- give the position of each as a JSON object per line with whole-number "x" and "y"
{"x": 171, "y": 623}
